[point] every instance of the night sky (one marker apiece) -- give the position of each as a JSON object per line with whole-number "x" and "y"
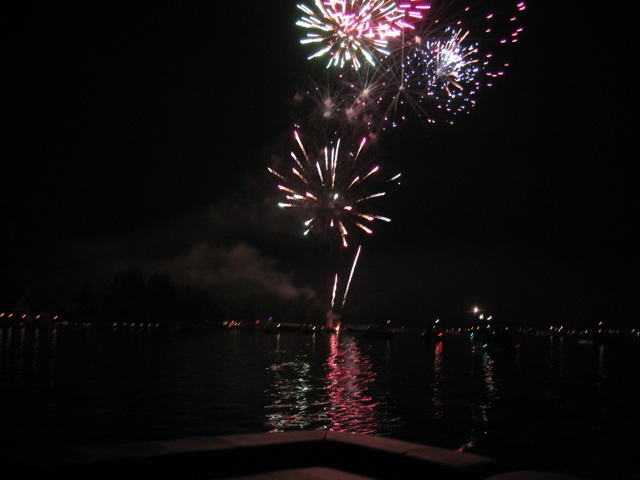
{"x": 140, "y": 134}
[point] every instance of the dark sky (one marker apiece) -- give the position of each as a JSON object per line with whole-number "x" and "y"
{"x": 141, "y": 132}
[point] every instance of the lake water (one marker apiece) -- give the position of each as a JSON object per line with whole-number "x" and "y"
{"x": 559, "y": 404}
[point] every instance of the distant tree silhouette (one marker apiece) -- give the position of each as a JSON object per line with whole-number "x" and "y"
{"x": 86, "y": 308}
{"x": 196, "y": 306}
{"x": 125, "y": 298}
{"x": 131, "y": 298}
{"x": 162, "y": 299}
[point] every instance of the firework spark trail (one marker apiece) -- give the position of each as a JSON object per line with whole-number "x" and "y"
{"x": 333, "y": 295}
{"x": 346, "y": 290}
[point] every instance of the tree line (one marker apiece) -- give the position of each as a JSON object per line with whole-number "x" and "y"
{"x": 160, "y": 299}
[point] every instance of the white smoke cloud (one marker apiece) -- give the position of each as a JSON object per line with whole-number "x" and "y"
{"x": 211, "y": 267}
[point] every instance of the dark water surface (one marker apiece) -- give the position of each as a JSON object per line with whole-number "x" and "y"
{"x": 559, "y": 404}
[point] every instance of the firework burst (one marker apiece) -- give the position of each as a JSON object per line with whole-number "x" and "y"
{"x": 333, "y": 189}
{"x": 431, "y": 67}
{"x": 491, "y": 28}
{"x": 339, "y": 108}
{"x": 435, "y": 79}
{"x": 436, "y": 71}
{"x": 351, "y": 32}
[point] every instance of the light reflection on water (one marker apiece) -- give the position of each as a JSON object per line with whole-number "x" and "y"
{"x": 438, "y": 379}
{"x": 337, "y": 398}
{"x": 351, "y": 409}
{"x": 558, "y": 404}
{"x": 482, "y": 411}
{"x": 27, "y": 356}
